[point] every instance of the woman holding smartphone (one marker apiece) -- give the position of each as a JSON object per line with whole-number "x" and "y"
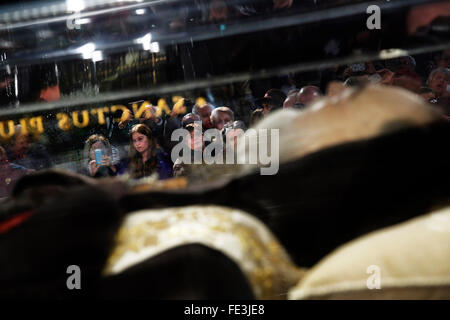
{"x": 146, "y": 157}
{"x": 99, "y": 154}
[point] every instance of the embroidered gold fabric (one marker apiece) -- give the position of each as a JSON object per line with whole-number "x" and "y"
{"x": 241, "y": 237}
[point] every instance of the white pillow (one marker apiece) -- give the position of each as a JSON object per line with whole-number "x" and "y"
{"x": 407, "y": 261}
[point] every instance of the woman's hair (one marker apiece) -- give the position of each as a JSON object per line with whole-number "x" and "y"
{"x": 215, "y": 113}
{"x": 137, "y": 166}
{"x": 256, "y": 116}
{"x": 94, "y": 139}
{"x": 433, "y": 73}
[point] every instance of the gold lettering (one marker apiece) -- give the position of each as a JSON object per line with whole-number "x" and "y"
{"x": 162, "y": 105}
{"x": 125, "y": 112}
{"x": 176, "y": 98}
{"x": 37, "y": 125}
{"x": 100, "y": 114}
{"x": 143, "y": 108}
{"x": 23, "y": 126}
{"x": 179, "y": 107}
{"x": 63, "y": 121}
{"x": 10, "y": 133}
{"x": 200, "y": 101}
{"x": 76, "y": 120}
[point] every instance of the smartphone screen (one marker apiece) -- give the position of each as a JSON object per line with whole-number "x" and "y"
{"x": 98, "y": 156}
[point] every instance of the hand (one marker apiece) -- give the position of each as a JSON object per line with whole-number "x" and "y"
{"x": 126, "y": 117}
{"x": 93, "y": 166}
{"x": 150, "y": 113}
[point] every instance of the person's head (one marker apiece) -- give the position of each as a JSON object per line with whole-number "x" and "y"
{"x": 291, "y": 99}
{"x": 204, "y": 112}
{"x": 190, "y": 118}
{"x": 257, "y": 115}
{"x": 221, "y": 116}
{"x": 21, "y": 144}
{"x": 96, "y": 141}
{"x": 273, "y": 99}
{"x": 142, "y": 140}
{"x": 405, "y": 64}
{"x": 308, "y": 94}
{"x": 195, "y": 139}
{"x": 438, "y": 80}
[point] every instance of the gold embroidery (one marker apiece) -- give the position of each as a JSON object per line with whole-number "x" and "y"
{"x": 260, "y": 256}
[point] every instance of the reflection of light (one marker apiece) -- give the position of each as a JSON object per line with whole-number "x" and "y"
{"x": 44, "y": 34}
{"x": 97, "y": 56}
{"x": 140, "y": 11}
{"x": 16, "y": 82}
{"x": 145, "y": 41}
{"x": 75, "y": 5}
{"x": 87, "y": 50}
{"x": 154, "y": 47}
{"x": 392, "y": 53}
{"x": 82, "y": 21}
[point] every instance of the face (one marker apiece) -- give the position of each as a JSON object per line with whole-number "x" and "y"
{"x": 439, "y": 83}
{"x": 140, "y": 142}
{"x": 205, "y": 115}
{"x": 222, "y": 119}
{"x": 405, "y": 64}
{"x": 21, "y": 145}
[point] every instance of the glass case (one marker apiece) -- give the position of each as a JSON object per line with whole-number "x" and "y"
{"x": 71, "y": 69}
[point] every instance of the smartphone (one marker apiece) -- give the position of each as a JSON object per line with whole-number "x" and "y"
{"x": 98, "y": 156}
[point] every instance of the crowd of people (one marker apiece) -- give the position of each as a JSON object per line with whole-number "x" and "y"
{"x": 150, "y": 136}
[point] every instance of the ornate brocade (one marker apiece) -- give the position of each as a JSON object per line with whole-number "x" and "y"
{"x": 238, "y": 235}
